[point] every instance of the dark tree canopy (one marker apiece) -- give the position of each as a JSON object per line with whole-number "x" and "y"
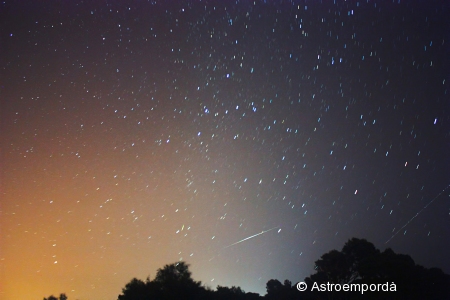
{"x": 171, "y": 282}
{"x": 225, "y": 293}
{"x": 174, "y": 281}
{"x": 359, "y": 262}
{"x": 61, "y": 297}
{"x": 177, "y": 272}
{"x": 279, "y": 291}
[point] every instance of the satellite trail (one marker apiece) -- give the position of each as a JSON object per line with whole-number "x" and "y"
{"x": 417, "y": 214}
{"x": 264, "y": 231}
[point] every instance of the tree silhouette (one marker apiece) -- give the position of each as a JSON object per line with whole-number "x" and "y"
{"x": 61, "y": 297}
{"x": 361, "y": 258}
{"x": 335, "y": 266}
{"x": 135, "y": 290}
{"x": 359, "y": 261}
{"x": 171, "y": 282}
{"x": 276, "y": 290}
{"x": 175, "y": 274}
{"x": 175, "y": 280}
{"x": 225, "y": 293}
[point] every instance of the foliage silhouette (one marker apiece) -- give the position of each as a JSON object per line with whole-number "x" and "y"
{"x": 276, "y": 290}
{"x": 174, "y": 281}
{"x": 359, "y": 262}
{"x": 171, "y": 282}
{"x": 225, "y": 293}
{"x": 61, "y": 297}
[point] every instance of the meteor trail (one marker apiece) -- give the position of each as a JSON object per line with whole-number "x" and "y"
{"x": 264, "y": 231}
{"x": 417, "y": 214}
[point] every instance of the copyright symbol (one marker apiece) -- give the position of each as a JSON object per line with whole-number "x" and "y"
{"x": 301, "y": 286}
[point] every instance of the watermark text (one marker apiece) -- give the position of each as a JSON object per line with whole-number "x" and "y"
{"x": 348, "y": 287}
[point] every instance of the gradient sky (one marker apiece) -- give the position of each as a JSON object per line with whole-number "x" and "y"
{"x": 136, "y": 134}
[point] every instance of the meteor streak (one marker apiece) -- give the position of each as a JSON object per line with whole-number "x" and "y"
{"x": 417, "y": 214}
{"x": 264, "y": 231}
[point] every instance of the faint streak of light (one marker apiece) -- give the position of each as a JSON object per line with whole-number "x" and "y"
{"x": 250, "y": 237}
{"x": 417, "y": 214}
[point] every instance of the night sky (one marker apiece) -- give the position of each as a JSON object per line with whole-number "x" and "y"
{"x": 137, "y": 134}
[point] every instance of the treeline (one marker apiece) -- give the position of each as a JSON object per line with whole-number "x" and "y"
{"x": 358, "y": 271}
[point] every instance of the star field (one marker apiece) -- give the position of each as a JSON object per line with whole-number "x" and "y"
{"x": 139, "y": 134}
